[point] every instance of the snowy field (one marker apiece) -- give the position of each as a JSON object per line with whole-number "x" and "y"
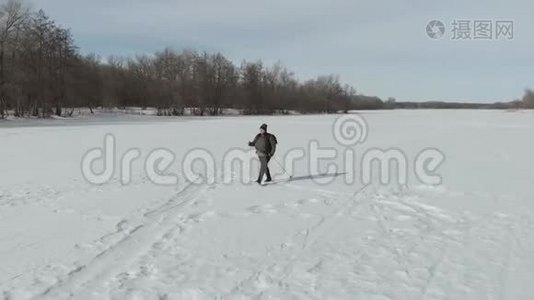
{"x": 470, "y": 237}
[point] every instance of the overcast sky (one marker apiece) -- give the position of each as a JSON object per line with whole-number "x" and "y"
{"x": 379, "y": 46}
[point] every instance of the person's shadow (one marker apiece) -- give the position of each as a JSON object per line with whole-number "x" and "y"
{"x": 310, "y": 177}
{"x": 317, "y": 176}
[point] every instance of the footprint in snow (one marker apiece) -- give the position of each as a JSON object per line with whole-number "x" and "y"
{"x": 199, "y": 217}
{"x": 261, "y": 209}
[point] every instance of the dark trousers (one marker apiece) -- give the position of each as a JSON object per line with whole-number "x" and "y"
{"x": 264, "y": 168}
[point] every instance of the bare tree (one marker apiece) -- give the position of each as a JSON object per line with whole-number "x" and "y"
{"x": 528, "y": 99}
{"x": 12, "y": 15}
{"x": 253, "y": 87}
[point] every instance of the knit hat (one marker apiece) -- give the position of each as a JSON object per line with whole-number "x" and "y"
{"x": 263, "y": 126}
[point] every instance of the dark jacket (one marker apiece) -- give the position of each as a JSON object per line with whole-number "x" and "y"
{"x": 265, "y": 144}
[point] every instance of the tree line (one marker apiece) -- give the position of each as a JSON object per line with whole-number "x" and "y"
{"x": 526, "y": 102}
{"x": 42, "y": 73}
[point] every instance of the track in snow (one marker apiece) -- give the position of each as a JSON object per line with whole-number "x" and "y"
{"x": 87, "y": 278}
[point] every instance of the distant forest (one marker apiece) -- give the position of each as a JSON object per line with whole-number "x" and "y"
{"x": 43, "y": 73}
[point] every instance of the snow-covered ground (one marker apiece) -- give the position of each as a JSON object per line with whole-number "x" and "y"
{"x": 472, "y": 237}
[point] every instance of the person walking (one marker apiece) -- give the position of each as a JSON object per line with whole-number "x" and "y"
{"x": 265, "y": 144}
